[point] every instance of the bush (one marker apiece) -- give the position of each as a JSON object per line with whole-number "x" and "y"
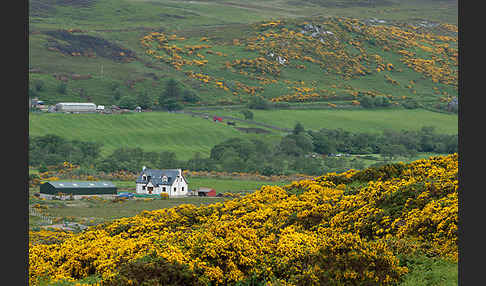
{"x": 367, "y": 101}
{"x": 62, "y": 88}
{"x": 247, "y": 113}
{"x": 117, "y": 94}
{"x": 172, "y": 105}
{"x": 43, "y": 169}
{"x": 128, "y": 102}
{"x": 153, "y": 271}
{"x": 410, "y": 104}
{"x": 371, "y": 102}
{"x": 39, "y": 85}
{"x": 190, "y": 96}
{"x": 143, "y": 100}
{"x": 32, "y": 92}
{"x": 259, "y": 103}
{"x": 281, "y": 105}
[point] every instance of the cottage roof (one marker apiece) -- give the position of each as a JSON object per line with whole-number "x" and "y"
{"x": 205, "y": 190}
{"x": 90, "y": 184}
{"x": 77, "y": 104}
{"x": 78, "y": 188}
{"x": 157, "y": 176}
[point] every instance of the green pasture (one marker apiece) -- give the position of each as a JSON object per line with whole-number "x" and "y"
{"x": 185, "y": 135}
{"x": 152, "y": 131}
{"x": 360, "y": 120}
{"x": 97, "y": 211}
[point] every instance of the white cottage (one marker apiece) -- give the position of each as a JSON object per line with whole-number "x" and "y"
{"x": 169, "y": 181}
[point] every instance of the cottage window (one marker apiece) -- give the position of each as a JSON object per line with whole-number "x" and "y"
{"x": 183, "y": 189}
{"x": 163, "y": 189}
{"x": 143, "y": 187}
{"x": 174, "y": 189}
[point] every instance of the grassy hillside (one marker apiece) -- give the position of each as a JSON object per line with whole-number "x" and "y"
{"x": 370, "y": 121}
{"x": 220, "y": 49}
{"x": 152, "y": 131}
{"x": 185, "y": 135}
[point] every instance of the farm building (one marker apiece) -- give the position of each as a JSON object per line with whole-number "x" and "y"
{"x": 76, "y": 107}
{"x": 77, "y": 190}
{"x": 169, "y": 181}
{"x": 206, "y": 192}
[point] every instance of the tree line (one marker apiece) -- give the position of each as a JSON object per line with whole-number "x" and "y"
{"x": 301, "y": 151}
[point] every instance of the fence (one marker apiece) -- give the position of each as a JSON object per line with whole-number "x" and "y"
{"x": 45, "y": 218}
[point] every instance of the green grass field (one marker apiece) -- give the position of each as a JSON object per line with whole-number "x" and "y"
{"x": 152, "y": 131}
{"x": 371, "y": 121}
{"x": 185, "y": 135}
{"x": 105, "y": 210}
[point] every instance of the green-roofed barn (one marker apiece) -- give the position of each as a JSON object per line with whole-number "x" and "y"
{"x": 77, "y": 190}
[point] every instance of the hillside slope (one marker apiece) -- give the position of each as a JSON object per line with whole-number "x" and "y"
{"x": 349, "y": 228}
{"x": 186, "y": 135}
{"x": 228, "y": 53}
{"x": 152, "y": 131}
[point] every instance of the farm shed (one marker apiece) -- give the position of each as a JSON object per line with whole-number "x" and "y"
{"x": 206, "y": 192}
{"x": 77, "y": 189}
{"x": 76, "y": 107}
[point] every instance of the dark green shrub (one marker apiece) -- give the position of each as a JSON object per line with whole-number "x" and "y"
{"x": 42, "y": 169}
{"x": 190, "y": 96}
{"x": 410, "y": 104}
{"x": 143, "y": 100}
{"x": 152, "y": 270}
{"x": 127, "y": 102}
{"x": 39, "y": 85}
{"x": 33, "y": 93}
{"x": 247, "y": 114}
{"x": 62, "y": 88}
{"x": 259, "y": 103}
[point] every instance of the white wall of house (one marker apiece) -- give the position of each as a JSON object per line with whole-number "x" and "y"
{"x": 155, "y": 191}
{"x": 179, "y": 188}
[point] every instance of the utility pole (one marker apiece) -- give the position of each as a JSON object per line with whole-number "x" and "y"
{"x": 101, "y": 70}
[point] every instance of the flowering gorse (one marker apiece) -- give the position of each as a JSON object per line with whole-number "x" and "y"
{"x": 335, "y": 229}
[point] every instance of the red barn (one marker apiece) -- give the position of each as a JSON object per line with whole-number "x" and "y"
{"x": 217, "y": 118}
{"x": 206, "y": 192}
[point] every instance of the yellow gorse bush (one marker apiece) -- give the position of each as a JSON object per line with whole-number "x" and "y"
{"x": 342, "y": 228}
